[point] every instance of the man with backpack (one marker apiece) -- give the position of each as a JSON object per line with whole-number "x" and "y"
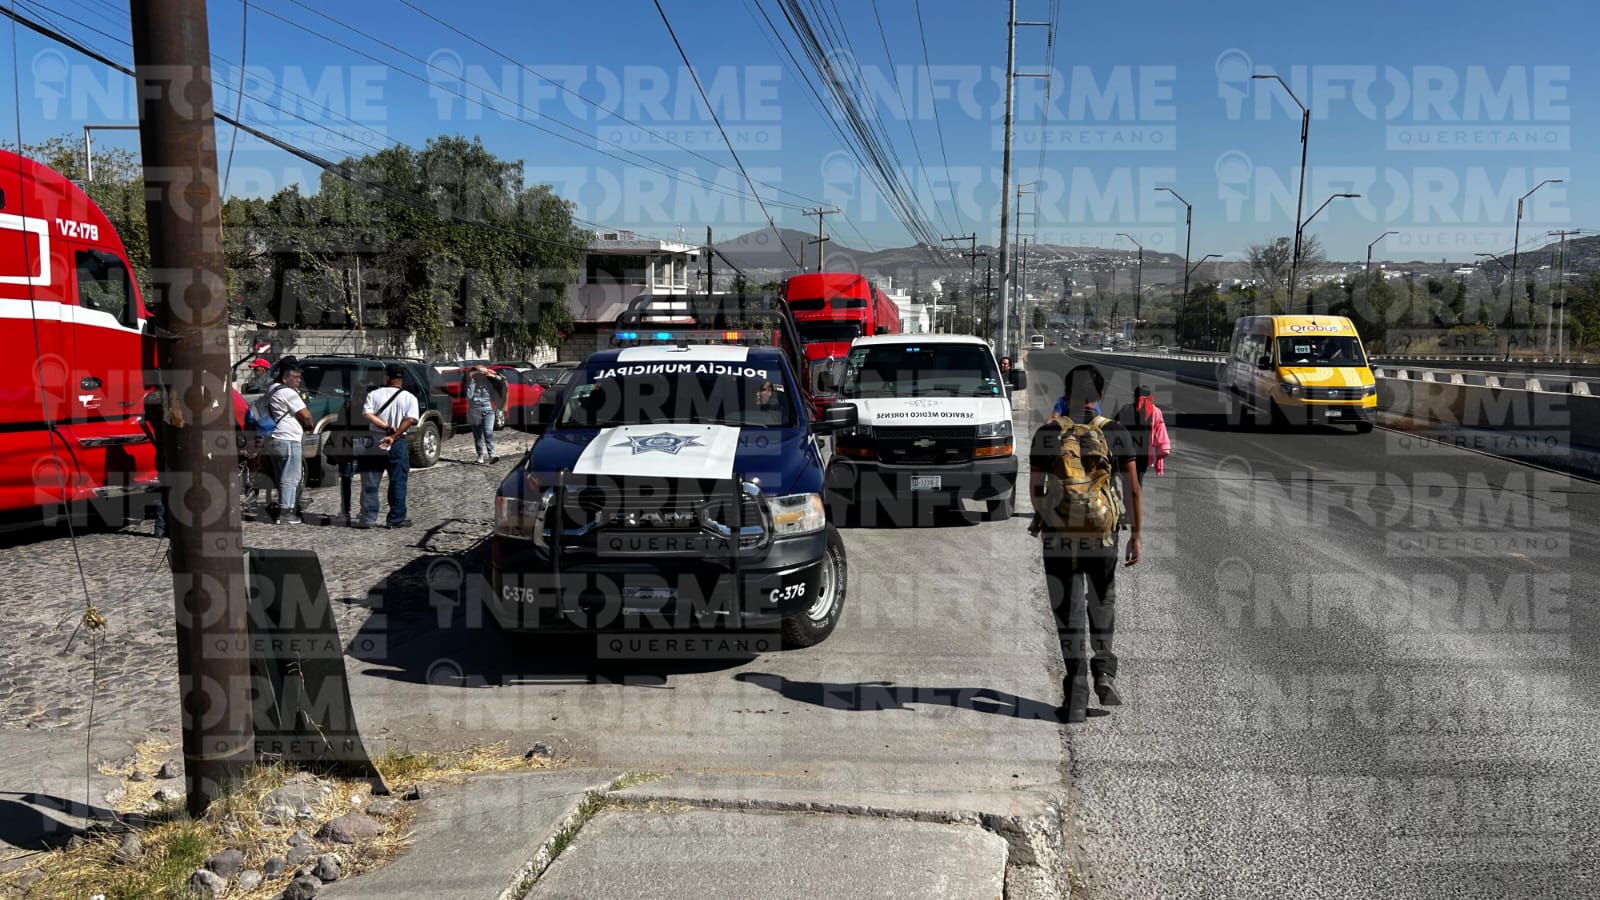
{"x": 1085, "y": 489}
{"x": 282, "y": 416}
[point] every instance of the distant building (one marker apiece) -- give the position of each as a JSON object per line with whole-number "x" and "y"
{"x": 617, "y": 267}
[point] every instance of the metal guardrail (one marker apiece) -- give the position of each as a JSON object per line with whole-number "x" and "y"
{"x": 1547, "y": 382}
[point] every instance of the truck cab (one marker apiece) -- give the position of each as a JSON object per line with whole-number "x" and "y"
{"x": 677, "y": 486}
{"x": 77, "y": 366}
{"x": 933, "y": 422}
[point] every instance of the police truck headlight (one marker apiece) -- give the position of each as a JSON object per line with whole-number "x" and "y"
{"x": 797, "y": 514}
{"x": 516, "y": 518}
{"x": 1000, "y": 429}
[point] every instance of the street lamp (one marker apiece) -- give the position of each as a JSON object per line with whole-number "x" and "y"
{"x": 1138, "y": 285}
{"x": 1296, "y": 264}
{"x": 88, "y": 146}
{"x": 1186, "y": 273}
{"x": 1300, "y": 204}
{"x": 1188, "y": 222}
{"x": 1369, "y": 258}
{"x": 1517, "y": 240}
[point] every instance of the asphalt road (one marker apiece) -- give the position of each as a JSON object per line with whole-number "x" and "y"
{"x": 942, "y": 676}
{"x": 1354, "y": 666}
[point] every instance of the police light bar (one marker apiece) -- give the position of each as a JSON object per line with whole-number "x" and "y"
{"x": 691, "y": 336}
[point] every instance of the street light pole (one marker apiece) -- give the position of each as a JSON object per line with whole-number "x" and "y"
{"x": 1300, "y": 204}
{"x": 1188, "y": 224}
{"x": 88, "y": 146}
{"x": 1138, "y": 285}
{"x": 1309, "y": 310}
{"x": 1516, "y": 241}
{"x": 1187, "y": 273}
{"x": 1368, "y": 276}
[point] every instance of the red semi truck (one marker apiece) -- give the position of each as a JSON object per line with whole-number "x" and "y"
{"x": 73, "y": 379}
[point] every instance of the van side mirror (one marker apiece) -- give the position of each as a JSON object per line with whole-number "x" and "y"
{"x": 837, "y": 417}
{"x": 1264, "y": 362}
{"x": 1019, "y": 379}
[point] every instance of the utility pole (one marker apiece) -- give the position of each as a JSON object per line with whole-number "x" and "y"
{"x": 1561, "y": 279}
{"x": 1005, "y": 173}
{"x": 972, "y": 274}
{"x": 821, "y": 238}
{"x": 171, "y": 56}
{"x": 710, "y": 253}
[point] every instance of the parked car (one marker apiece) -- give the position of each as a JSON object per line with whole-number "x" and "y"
{"x": 520, "y": 392}
{"x": 330, "y": 381}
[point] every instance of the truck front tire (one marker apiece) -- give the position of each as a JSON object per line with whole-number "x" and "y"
{"x": 812, "y": 626}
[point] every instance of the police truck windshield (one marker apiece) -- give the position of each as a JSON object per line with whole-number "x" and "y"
{"x": 921, "y": 370}
{"x": 661, "y": 393}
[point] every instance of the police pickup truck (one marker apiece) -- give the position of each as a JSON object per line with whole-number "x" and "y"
{"x": 675, "y": 487}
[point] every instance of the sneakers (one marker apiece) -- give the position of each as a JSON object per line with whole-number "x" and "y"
{"x": 290, "y": 519}
{"x": 363, "y": 524}
{"x": 494, "y": 459}
{"x": 1105, "y": 687}
{"x": 481, "y": 459}
{"x": 403, "y": 523}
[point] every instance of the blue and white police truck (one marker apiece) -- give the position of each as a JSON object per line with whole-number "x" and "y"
{"x": 676, "y": 486}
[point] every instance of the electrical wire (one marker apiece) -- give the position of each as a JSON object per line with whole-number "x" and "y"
{"x": 938, "y": 124}
{"x": 586, "y": 137}
{"x": 732, "y": 152}
{"x": 593, "y": 103}
{"x": 238, "y": 102}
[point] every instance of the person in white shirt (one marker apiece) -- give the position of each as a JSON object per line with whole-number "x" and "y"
{"x": 281, "y": 404}
{"x": 391, "y": 410}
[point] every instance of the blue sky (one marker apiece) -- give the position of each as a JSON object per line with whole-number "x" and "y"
{"x": 1441, "y": 117}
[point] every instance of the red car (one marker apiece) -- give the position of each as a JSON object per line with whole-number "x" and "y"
{"x": 520, "y": 391}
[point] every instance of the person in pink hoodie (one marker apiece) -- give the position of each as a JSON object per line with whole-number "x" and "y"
{"x": 1144, "y": 421}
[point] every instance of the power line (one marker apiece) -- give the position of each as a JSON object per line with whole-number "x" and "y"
{"x": 641, "y": 161}
{"x": 579, "y": 95}
{"x": 337, "y": 169}
{"x": 732, "y": 152}
{"x": 915, "y": 145}
{"x": 927, "y": 62}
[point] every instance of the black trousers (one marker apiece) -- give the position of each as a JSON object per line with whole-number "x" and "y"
{"x": 1081, "y": 576}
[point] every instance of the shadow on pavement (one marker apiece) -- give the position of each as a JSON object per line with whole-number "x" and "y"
{"x": 429, "y": 626}
{"x": 32, "y": 821}
{"x": 882, "y": 696}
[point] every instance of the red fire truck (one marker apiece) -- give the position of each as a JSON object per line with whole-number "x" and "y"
{"x": 73, "y": 378}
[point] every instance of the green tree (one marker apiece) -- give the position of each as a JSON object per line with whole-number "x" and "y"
{"x": 1272, "y": 262}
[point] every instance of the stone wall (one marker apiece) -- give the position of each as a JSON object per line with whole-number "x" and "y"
{"x": 457, "y": 344}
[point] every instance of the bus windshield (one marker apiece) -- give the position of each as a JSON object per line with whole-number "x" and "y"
{"x": 922, "y": 370}
{"x": 1320, "y": 350}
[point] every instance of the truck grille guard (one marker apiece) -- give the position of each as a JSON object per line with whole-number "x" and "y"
{"x": 754, "y": 537}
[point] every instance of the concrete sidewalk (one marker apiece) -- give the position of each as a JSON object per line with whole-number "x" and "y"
{"x": 598, "y": 834}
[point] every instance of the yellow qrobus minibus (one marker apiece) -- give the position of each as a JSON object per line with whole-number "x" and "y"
{"x": 1302, "y": 370}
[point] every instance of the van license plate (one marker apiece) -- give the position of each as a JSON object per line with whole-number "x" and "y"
{"x": 926, "y": 482}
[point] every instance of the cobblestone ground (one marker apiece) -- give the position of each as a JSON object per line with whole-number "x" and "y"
{"x": 46, "y": 662}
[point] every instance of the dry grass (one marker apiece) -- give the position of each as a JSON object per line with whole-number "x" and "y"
{"x": 175, "y": 845}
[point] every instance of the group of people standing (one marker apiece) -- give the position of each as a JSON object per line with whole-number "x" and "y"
{"x": 387, "y": 411}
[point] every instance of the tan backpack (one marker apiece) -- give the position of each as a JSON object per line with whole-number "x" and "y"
{"x": 1083, "y": 484}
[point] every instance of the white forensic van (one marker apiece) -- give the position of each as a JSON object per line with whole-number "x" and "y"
{"x": 933, "y": 422}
